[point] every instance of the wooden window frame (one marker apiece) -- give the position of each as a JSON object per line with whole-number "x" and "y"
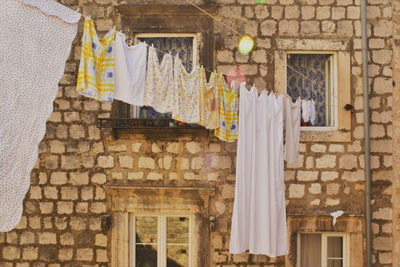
{"x": 324, "y": 247}
{"x": 161, "y": 237}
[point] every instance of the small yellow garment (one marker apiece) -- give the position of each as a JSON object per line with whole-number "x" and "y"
{"x": 96, "y": 69}
{"x": 209, "y": 111}
{"x": 228, "y": 111}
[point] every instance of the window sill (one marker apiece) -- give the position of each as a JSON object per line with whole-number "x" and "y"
{"x": 324, "y": 135}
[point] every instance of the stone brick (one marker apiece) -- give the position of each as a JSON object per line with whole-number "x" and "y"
{"x": 381, "y": 146}
{"x": 332, "y": 189}
{"x": 228, "y": 191}
{"x": 336, "y": 148}
{"x": 310, "y": 27}
{"x": 47, "y": 238}
{"x": 77, "y": 223}
{"x": 230, "y": 12}
{"x": 332, "y": 202}
{"x": 51, "y": 162}
{"x": 27, "y": 238}
{"x": 101, "y": 240}
{"x": 194, "y": 147}
{"x": 30, "y": 253}
{"x": 353, "y": 176}
{"x": 57, "y": 147}
{"x": 259, "y": 56}
{"x": 46, "y": 207}
{"x": 385, "y": 258}
{"x": 125, "y": 161}
{"x": 35, "y": 192}
{"x": 98, "y": 207}
{"x": 289, "y": 27}
{"x": 154, "y": 176}
{"x": 382, "y": 56}
{"x": 11, "y": 253}
{"x": 69, "y": 193}
{"x": 67, "y": 239}
{"x": 261, "y": 11}
{"x": 84, "y": 254}
{"x": 326, "y": 161}
{"x": 64, "y": 207}
{"x": 105, "y": 161}
{"x": 117, "y": 148}
{"x": 353, "y": 12}
{"x": 328, "y": 26}
{"x": 307, "y": 12}
{"x": 225, "y": 56}
{"x": 101, "y": 255}
{"x": 218, "y": 162}
{"x": 79, "y": 178}
{"x": 323, "y": 12}
{"x": 70, "y": 162}
{"x": 338, "y": 13}
{"x": 146, "y": 163}
{"x": 315, "y": 189}
{"x": 77, "y": 131}
{"x": 99, "y": 178}
{"x": 382, "y": 243}
{"x": 197, "y": 163}
{"x": 382, "y": 214}
{"x": 276, "y": 12}
{"x": 383, "y": 28}
{"x": 268, "y": 27}
{"x": 82, "y": 207}
{"x": 345, "y": 27}
{"x": 135, "y": 175}
{"x": 65, "y": 254}
{"x": 191, "y": 176}
{"x": 318, "y": 148}
{"x": 307, "y": 175}
{"x": 292, "y": 12}
{"x": 348, "y": 162}
{"x": 296, "y": 190}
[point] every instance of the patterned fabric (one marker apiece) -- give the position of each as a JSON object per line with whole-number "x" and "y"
{"x": 209, "y": 111}
{"x": 313, "y": 67}
{"x": 159, "y": 93}
{"x": 228, "y": 111}
{"x": 36, "y": 38}
{"x": 187, "y": 93}
{"x": 180, "y": 46}
{"x": 96, "y": 69}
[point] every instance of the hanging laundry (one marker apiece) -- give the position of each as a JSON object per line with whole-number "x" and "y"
{"x": 312, "y": 112}
{"x": 129, "y": 71}
{"x": 305, "y": 110}
{"x": 36, "y": 38}
{"x": 159, "y": 93}
{"x": 209, "y": 108}
{"x": 187, "y": 93}
{"x": 228, "y": 110}
{"x": 96, "y": 69}
{"x": 259, "y": 216}
{"x": 292, "y": 126}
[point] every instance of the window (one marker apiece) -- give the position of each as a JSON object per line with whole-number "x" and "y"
{"x": 312, "y": 76}
{"x": 333, "y": 83}
{"x": 323, "y": 250}
{"x": 183, "y": 45}
{"x": 160, "y": 241}
{"x": 167, "y": 27}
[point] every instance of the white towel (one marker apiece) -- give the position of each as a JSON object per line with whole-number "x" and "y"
{"x": 36, "y": 38}
{"x": 130, "y": 71}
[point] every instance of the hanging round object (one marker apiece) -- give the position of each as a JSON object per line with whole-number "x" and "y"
{"x": 260, "y": 1}
{"x": 246, "y": 44}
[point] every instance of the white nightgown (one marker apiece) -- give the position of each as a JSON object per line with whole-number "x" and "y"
{"x": 259, "y": 213}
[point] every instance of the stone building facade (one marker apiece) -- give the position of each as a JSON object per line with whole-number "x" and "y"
{"x": 83, "y": 173}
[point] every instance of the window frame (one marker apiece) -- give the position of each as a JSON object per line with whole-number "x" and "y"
{"x": 161, "y": 237}
{"x": 324, "y": 247}
{"x": 342, "y": 47}
{"x": 333, "y": 89}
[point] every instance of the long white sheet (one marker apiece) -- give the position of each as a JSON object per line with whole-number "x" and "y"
{"x": 35, "y": 39}
{"x": 259, "y": 216}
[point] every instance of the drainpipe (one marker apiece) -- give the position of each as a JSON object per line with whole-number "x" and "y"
{"x": 364, "y": 34}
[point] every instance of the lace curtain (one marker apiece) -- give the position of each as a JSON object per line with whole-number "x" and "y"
{"x": 313, "y": 67}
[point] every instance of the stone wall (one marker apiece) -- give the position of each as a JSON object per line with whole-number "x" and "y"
{"x": 61, "y": 221}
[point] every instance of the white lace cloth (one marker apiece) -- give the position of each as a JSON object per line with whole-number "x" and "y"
{"x": 35, "y": 40}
